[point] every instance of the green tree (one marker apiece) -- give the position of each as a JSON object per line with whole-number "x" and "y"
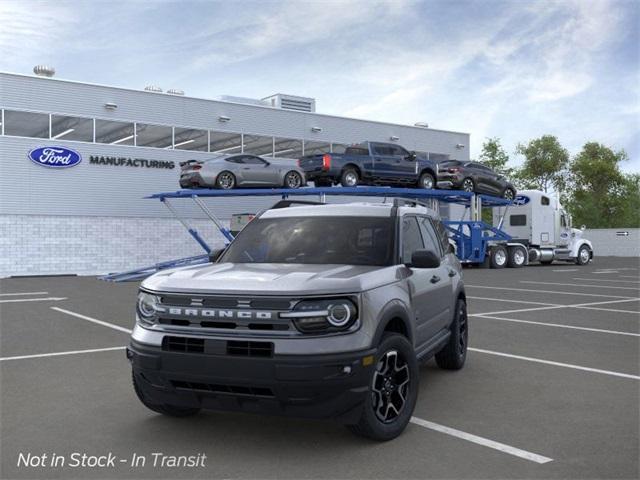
{"x": 600, "y": 195}
{"x": 494, "y": 156}
{"x": 544, "y": 165}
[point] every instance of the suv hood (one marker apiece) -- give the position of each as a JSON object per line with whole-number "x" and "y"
{"x": 272, "y": 279}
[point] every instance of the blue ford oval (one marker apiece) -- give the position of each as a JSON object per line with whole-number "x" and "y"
{"x": 55, "y": 157}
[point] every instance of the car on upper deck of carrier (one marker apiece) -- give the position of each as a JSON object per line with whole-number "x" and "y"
{"x": 312, "y": 310}
{"x": 371, "y": 163}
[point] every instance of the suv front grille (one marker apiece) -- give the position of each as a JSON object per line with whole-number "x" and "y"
{"x": 183, "y": 344}
{"x": 250, "y": 349}
{"x": 225, "y": 389}
{"x": 217, "y": 347}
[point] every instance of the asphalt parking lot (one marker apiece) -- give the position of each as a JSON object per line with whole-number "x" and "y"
{"x": 550, "y": 390}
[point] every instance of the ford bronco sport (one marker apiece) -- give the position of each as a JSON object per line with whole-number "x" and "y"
{"x": 320, "y": 311}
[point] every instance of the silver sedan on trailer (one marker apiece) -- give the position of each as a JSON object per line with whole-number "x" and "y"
{"x": 241, "y": 170}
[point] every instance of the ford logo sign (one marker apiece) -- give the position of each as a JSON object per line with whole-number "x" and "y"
{"x": 55, "y": 157}
{"x": 521, "y": 200}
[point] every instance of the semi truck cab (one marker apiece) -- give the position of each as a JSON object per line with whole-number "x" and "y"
{"x": 538, "y": 221}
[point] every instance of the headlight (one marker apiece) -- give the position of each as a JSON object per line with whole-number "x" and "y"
{"x": 323, "y": 316}
{"x": 146, "y": 307}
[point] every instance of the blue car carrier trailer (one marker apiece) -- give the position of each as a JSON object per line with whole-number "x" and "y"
{"x": 475, "y": 241}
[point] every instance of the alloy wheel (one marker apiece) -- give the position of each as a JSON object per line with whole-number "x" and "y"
{"x": 226, "y": 181}
{"x": 427, "y": 182}
{"x": 518, "y": 256}
{"x": 391, "y": 383}
{"x": 501, "y": 257}
{"x": 351, "y": 179}
{"x": 467, "y": 185}
{"x": 293, "y": 180}
{"x": 584, "y": 255}
{"x": 508, "y": 194}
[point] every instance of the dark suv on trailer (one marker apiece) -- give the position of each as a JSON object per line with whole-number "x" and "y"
{"x": 317, "y": 311}
{"x": 474, "y": 177}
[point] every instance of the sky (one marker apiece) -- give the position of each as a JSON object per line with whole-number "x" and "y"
{"x": 509, "y": 69}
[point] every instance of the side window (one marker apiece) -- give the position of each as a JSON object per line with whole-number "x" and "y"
{"x": 544, "y": 201}
{"x": 563, "y": 220}
{"x": 235, "y": 159}
{"x": 411, "y": 238}
{"x": 443, "y": 234}
{"x": 431, "y": 240}
{"x": 251, "y": 160}
{"x": 517, "y": 220}
{"x": 399, "y": 151}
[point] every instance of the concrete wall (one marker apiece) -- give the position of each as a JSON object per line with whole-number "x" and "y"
{"x": 608, "y": 242}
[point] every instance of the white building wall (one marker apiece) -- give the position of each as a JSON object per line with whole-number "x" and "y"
{"x": 612, "y": 242}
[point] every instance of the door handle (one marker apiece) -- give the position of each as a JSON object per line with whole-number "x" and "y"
{"x": 435, "y": 279}
{"x": 452, "y": 273}
{"x": 246, "y": 168}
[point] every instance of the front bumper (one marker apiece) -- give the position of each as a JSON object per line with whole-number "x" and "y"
{"x": 312, "y": 386}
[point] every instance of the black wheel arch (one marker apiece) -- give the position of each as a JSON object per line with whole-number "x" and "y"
{"x": 430, "y": 171}
{"x": 395, "y": 318}
{"x": 352, "y": 166}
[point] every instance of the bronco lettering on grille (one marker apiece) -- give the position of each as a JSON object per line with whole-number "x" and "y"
{"x": 213, "y": 313}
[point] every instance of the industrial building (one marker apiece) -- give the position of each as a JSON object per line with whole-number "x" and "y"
{"x": 92, "y": 217}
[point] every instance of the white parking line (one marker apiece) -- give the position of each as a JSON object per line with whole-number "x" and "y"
{"x": 555, "y": 307}
{"x": 20, "y": 300}
{"x": 551, "y": 306}
{"x": 514, "y": 301}
{"x": 531, "y": 290}
{"x": 556, "y": 364}
{"x": 57, "y": 354}
{"x": 604, "y": 280}
{"x": 485, "y": 442}
{"x": 628, "y": 276}
{"x": 581, "y": 285}
{"x": 558, "y": 325}
{"x": 92, "y": 320}
{"x": 23, "y": 293}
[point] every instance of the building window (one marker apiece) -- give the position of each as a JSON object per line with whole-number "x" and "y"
{"x": 114, "y": 133}
{"x": 26, "y": 124}
{"x": 258, "y": 145}
{"x": 438, "y": 157}
{"x": 314, "y": 148}
{"x": 157, "y": 136}
{"x": 287, "y": 148}
{"x": 338, "y": 147}
{"x": 225, "y": 142}
{"x": 71, "y": 128}
{"x": 190, "y": 139}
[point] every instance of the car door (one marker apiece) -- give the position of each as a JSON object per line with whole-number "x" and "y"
{"x": 404, "y": 165}
{"x": 384, "y": 161}
{"x": 424, "y": 283}
{"x": 257, "y": 171}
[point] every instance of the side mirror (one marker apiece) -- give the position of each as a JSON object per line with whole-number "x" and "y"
{"x": 214, "y": 255}
{"x": 412, "y": 156}
{"x": 424, "y": 259}
{"x": 583, "y": 228}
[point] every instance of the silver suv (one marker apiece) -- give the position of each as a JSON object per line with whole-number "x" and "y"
{"x": 320, "y": 311}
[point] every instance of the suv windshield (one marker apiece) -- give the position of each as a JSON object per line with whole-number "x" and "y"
{"x": 315, "y": 240}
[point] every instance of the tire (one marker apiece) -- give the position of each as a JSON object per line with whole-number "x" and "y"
{"x": 292, "y": 180}
{"x": 379, "y": 421}
{"x": 226, "y": 180}
{"x": 454, "y": 354}
{"x": 169, "y": 410}
{"x": 517, "y": 257}
{"x": 498, "y": 256}
{"x": 427, "y": 181}
{"x": 468, "y": 185}
{"x": 584, "y": 255}
{"x": 508, "y": 194}
{"x": 349, "y": 178}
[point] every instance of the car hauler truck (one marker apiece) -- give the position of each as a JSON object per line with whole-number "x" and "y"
{"x": 538, "y": 224}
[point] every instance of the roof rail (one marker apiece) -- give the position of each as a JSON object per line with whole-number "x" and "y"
{"x": 288, "y": 203}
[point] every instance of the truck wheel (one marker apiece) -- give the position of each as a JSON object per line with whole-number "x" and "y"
{"x": 584, "y": 255}
{"x": 393, "y": 390}
{"x": 169, "y": 410}
{"x": 427, "y": 181}
{"x": 498, "y": 256}
{"x": 226, "y": 180}
{"x": 349, "y": 178}
{"x": 517, "y": 257}
{"x": 468, "y": 185}
{"x": 454, "y": 354}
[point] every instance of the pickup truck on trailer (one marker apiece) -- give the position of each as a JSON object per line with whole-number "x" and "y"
{"x": 371, "y": 163}
{"x": 312, "y": 310}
